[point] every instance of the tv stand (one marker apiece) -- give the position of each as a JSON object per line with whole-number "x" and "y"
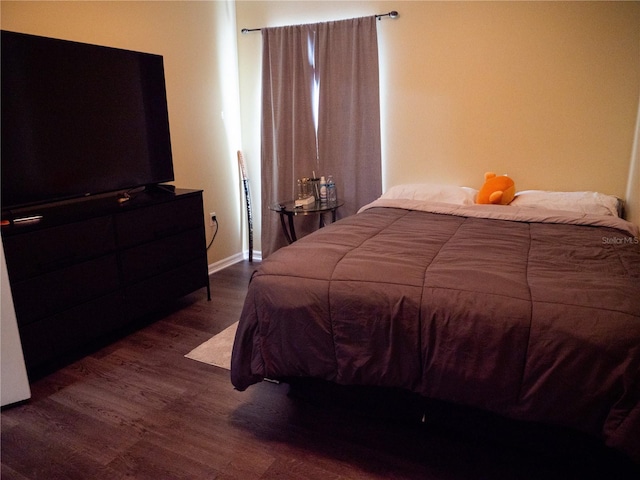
{"x": 90, "y": 270}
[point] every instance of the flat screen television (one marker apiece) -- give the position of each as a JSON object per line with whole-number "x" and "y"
{"x": 79, "y": 120}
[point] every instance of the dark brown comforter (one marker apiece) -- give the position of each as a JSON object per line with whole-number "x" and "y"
{"x": 535, "y": 321}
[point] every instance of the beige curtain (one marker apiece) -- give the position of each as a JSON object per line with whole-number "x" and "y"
{"x": 320, "y": 112}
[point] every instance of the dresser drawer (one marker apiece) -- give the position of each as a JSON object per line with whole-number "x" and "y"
{"x": 158, "y": 221}
{"x": 38, "y": 252}
{"x": 153, "y": 258}
{"x": 56, "y": 291}
{"x": 38, "y": 343}
{"x": 88, "y": 322}
{"x": 58, "y": 335}
{"x": 153, "y": 293}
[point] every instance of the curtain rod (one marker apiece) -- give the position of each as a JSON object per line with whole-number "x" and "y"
{"x": 391, "y": 14}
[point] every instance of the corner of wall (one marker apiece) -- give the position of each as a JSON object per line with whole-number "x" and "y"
{"x": 633, "y": 181}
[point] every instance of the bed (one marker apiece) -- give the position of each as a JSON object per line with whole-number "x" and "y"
{"x": 530, "y": 310}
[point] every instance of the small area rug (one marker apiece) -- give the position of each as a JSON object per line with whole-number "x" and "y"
{"x": 217, "y": 350}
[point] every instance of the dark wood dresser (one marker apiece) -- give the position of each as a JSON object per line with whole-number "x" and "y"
{"x": 81, "y": 271}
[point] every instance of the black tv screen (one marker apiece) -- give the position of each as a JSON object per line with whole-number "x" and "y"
{"x": 79, "y": 120}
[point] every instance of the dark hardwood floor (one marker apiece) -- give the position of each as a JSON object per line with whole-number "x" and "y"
{"x": 138, "y": 408}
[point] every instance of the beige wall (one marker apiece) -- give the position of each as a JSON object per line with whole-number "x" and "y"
{"x": 546, "y": 92}
{"x": 201, "y": 77}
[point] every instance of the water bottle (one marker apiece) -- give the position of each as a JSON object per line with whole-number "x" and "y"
{"x": 332, "y": 195}
{"x": 323, "y": 190}
{"x": 300, "y": 190}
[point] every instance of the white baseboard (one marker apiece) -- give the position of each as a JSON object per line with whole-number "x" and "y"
{"x": 227, "y": 262}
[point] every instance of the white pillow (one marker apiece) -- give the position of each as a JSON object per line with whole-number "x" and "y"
{"x": 432, "y": 193}
{"x": 591, "y": 203}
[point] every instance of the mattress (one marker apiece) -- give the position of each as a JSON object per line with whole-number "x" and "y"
{"x": 533, "y": 314}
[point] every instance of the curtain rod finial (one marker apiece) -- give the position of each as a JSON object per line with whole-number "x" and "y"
{"x": 391, "y": 14}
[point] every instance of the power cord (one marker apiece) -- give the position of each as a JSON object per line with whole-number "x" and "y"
{"x": 215, "y": 220}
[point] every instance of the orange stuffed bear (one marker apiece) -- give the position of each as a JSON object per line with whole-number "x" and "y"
{"x": 498, "y": 190}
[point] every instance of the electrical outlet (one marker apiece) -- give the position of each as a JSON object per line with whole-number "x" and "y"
{"x": 212, "y": 219}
